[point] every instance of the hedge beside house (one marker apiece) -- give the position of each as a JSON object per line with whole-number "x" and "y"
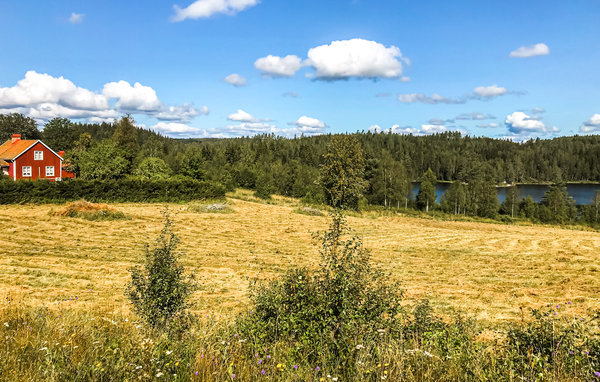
{"x": 122, "y": 190}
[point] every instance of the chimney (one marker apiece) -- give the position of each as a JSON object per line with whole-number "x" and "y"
{"x": 16, "y": 138}
{"x": 61, "y": 154}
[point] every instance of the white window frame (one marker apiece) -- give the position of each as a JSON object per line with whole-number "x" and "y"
{"x": 48, "y": 173}
{"x": 38, "y": 155}
{"x": 26, "y": 174}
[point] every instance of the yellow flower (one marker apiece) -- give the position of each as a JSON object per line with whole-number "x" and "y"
{"x": 177, "y": 363}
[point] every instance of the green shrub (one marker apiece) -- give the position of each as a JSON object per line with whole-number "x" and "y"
{"x": 160, "y": 291}
{"x": 121, "y": 190}
{"x": 325, "y": 312}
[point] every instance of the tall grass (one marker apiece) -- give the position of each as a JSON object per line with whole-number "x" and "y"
{"x": 68, "y": 344}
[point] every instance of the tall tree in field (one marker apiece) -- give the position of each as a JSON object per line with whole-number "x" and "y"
{"x": 18, "y": 124}
{"x": 510, "y": 205}
{"x": 388, "y": 182}
{"x": 595, "y": 203}
{"x": 426, "y": 196}
{"x": 558, "y": 202}
{"x": 192, "y": 164}
{"x": 102, "y": 161}
{"x": 60, "y": 134}
{"x": 454, "y": 199}
{"x": 342, "y": 172}
{"x": 126, "y": 136}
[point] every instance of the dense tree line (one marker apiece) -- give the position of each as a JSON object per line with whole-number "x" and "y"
{"x": 341, "y": 170}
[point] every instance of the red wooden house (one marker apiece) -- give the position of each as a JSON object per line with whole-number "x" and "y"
{"x": 30, "y": 159}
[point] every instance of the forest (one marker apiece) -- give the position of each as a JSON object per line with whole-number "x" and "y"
{"x": 369, "y": 169}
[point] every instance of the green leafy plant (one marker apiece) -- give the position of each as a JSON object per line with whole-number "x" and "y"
{"x": 344, "y": 302}
{"x": 160, "y": 291}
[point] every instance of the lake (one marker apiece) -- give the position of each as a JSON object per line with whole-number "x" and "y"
{"x": 582, "y": 193}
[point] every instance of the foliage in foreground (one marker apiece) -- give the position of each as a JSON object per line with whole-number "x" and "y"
{"x": 71, "y": 344}
{"x": 324, "y": 312}
{"x": 160, "y": 291}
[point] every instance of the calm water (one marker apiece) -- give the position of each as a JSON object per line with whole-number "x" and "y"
{"x": 582, "y": 193}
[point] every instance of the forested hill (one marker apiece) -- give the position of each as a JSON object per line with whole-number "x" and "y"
{"x": 450, "y": 155}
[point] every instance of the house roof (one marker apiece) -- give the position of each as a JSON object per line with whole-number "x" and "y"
{"x": 3, "y": 163}
{"x": 10, "y": 150}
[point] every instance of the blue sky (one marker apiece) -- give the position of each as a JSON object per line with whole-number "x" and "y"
{"x": 307, "y": 67}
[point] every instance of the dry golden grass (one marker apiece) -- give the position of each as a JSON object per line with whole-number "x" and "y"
{"x": 487, "y": 270}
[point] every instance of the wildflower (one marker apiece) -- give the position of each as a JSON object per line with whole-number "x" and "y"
{"x": 177, "y": 363}
{"x": 158, "y": 375}
{"x": 569, "y": 302}
{"x": 232, "y": 376}
{"x": 295, "y": 366}
{"x": 202, "y": 356}
{"x": 44, "y": 348}
{"x": 196, "y": 373}
{"x": 334, "y": 379}
{"x": 256, "y": 355}
{"x": 268, "y": 357}
{"x": 597, "y": 374}
{"x": 558, "y": 306}
{"x": 280, "y": 366}
{"x": 260, "y": 361}
{"x": 168, "y": 352}
{"x": 263, "y": 371}
{"x": 317, "y": 368}
{"x": 6, "y": 324}
{"x": 358, "y": 347}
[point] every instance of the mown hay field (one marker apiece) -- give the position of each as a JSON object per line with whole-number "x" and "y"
{"x": 487, "y": 270}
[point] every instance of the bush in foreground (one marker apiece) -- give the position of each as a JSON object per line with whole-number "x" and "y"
{"x": 160, "y": 291}
{"x": 328, "y": 312}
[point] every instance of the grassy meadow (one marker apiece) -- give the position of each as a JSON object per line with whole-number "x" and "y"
{"x": 487, "y": 270}
{"x": 64, "y": 314}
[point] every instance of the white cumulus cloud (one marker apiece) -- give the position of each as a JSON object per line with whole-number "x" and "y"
{"x": 432, "y": 129}
{"x": 175, "y": 128}
{"x": 592, "y": 125}
{"x": 540, "y": 49}
{"x": 43, "y": 97}
{"x": 207, "y": 8}
{"x": 356, "y": 58}
{"x": 183, "y": 113}
{"x": 136, "y": 97}
{"x": 275, "y": 66}
{"x": 242, "y": 116}
{"x": 306, "y": 126}
{"x": 37, "y": 88}
{"x": 76, "y": 18}
{"x": 524, "y": 125}
{"x": 235, "y": 80}
{"x": 489, "y": 91}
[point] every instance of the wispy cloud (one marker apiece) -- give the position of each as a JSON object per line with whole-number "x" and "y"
{"x": 76, "y": 18}
{"x": 540, "y": 49}
{"x": 235, "y": 80}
